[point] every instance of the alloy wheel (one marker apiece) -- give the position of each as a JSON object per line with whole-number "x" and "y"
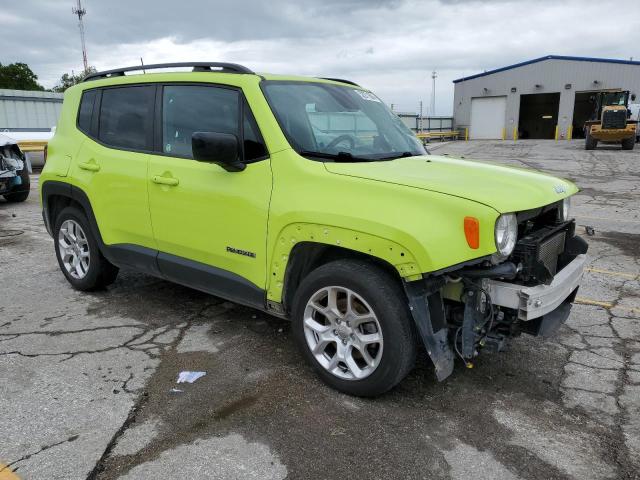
{"x": 74, "y": 249}
{"x": 343, "y": 333}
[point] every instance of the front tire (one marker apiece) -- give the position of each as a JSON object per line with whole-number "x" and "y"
{"x": 590, "y": 143}
{"x": 628, "y": 143}
{"x": 352, "y": 323}
{"x": 78, "y": 253}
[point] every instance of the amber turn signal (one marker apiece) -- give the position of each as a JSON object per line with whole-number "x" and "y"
{"x": 472, "y": 232}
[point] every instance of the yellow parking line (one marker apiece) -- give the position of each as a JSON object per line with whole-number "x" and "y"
{"x": 607, "y": 219}
{"x": 7, "y": 474}
{"x": 597, "y": 303}
{"x": 588, "y": 301}
{"x": 632, "y": 276}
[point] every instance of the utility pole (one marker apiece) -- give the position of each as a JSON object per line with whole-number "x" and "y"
{"x": 81, "y": 12}
{"x": 434, "y": 74}
{"x": 420, "y": 120}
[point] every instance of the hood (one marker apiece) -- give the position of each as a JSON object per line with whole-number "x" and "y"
{"x": 506, "y": 189}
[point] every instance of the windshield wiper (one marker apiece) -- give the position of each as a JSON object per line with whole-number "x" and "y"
{"x": 398, "y": 155}
{"x": 337, "y": 157}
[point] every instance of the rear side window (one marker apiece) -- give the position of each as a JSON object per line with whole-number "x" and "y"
{"x": 86, "y": 110}
{"x": 190, "y": 108}
{"x": 126, "y": 117}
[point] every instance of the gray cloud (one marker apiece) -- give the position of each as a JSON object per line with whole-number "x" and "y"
{"x": 390, "y": 46}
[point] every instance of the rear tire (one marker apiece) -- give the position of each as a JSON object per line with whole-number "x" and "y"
{"x": 628, "y": 143}
{"x": 78, "y": 252}
{"x": 21, "y": 192}
{"x": 366, "y": 344}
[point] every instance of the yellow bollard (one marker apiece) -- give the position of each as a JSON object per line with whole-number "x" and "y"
{"x": 466, "y": 134}
{"x": 515, "y": 133}
{"x": 570, "y": 132}
{"x": 556, "y": 136}
{"x": 504, "y": 133}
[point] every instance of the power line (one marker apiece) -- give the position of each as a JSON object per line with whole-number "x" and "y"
{"x": 81, "y": 12}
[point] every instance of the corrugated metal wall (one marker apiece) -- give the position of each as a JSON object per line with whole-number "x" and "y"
{"x": 22, "y": 110}
{"x": 550, "y": 75}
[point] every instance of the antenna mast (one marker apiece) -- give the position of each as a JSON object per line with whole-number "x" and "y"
{"x": 81, "y": 12}
{"x": 434, "y": 74}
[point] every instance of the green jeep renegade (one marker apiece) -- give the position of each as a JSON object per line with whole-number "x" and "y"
{"x": 309, "y": 199}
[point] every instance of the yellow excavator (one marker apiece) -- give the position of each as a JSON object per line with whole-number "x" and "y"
{"x": 610, "y": 121}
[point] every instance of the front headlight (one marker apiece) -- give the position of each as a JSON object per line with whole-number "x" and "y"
{"x": 506, "y": 233}
{"x": 563, "y": 211}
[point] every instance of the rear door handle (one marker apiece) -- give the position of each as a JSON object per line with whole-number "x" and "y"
{"x": 172, "y": 182}
{"x": 91, "y": 166}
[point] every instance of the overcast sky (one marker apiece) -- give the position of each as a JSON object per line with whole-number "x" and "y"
{"x": 389, "y": 46}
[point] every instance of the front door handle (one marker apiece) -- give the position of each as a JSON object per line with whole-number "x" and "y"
{"x": 172, "y": 182}
{"x": 91, "y": 166}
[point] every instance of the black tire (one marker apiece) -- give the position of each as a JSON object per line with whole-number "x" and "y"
{"x": 590, "y": 143}
{"x": 21, "y": 192}
{"x": 100, "y": 272}
{"x": 628, "y": 143}
{"x": 385, "y": 296}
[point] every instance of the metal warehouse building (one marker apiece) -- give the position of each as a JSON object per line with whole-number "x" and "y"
{"x": 530, "y": 99}
{"x": 29, "y": 111}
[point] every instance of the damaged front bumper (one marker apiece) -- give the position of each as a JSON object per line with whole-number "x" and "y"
{"x": 534, "y": 302}
{"x": 488, "y": 310}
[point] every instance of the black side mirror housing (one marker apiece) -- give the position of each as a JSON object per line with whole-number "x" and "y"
{"x": 220, "y": 148}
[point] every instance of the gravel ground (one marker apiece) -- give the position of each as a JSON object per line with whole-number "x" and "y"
{"x": 87, "y": 381}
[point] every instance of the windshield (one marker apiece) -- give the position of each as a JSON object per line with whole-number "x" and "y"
{"x": 615, "y": 98}
{"x": 338, "y": 122}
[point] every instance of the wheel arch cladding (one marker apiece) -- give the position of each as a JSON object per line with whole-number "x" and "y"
{"x": 392, "y": 253}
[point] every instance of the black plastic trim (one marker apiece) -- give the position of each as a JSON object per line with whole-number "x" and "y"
{"x": 210, "y": 279}
{"x": 341, "y": 80}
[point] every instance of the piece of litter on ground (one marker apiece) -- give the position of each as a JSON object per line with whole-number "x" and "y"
{"x": 189, "y": 377}
{"x": 590, "y": 230}
{"x": 176, "y": 390}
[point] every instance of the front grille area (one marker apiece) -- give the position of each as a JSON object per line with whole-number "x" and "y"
{"x": 614, "y": 119}
{"x": 550, "y": 250}
{"x": 539, "y": 252}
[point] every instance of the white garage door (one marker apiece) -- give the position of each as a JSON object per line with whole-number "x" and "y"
{"x": 487, "y": 117}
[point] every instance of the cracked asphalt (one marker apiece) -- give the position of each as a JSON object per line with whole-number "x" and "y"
{"x": 88, "y": 381}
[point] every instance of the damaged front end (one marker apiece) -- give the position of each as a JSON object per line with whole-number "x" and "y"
{"x": 14, "y": 170}
{"x": 465, "y": 311}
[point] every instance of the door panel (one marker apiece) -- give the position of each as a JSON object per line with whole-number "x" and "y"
{"x": 116, "y": 183}
{"x": 211, "y": 212}
{"x": 110, "y": 166}
{"x": 199, "y": 211}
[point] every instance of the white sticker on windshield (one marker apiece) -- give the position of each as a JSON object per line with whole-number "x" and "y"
{"x": 367, "y": 96}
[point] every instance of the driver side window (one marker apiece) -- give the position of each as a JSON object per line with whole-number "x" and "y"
{"x": 192, "y": 108}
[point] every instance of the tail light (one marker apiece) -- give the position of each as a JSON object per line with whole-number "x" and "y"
{"x": 46, "y": 148}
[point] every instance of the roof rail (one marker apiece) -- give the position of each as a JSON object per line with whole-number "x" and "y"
{"x": 340, "y": 80}
{"x": 197, "y": 67}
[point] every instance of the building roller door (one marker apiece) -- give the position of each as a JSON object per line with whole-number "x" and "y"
{"x": 487, "y": 117}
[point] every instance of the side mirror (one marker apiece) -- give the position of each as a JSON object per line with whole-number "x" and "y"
{"x": 219, "y": 148}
